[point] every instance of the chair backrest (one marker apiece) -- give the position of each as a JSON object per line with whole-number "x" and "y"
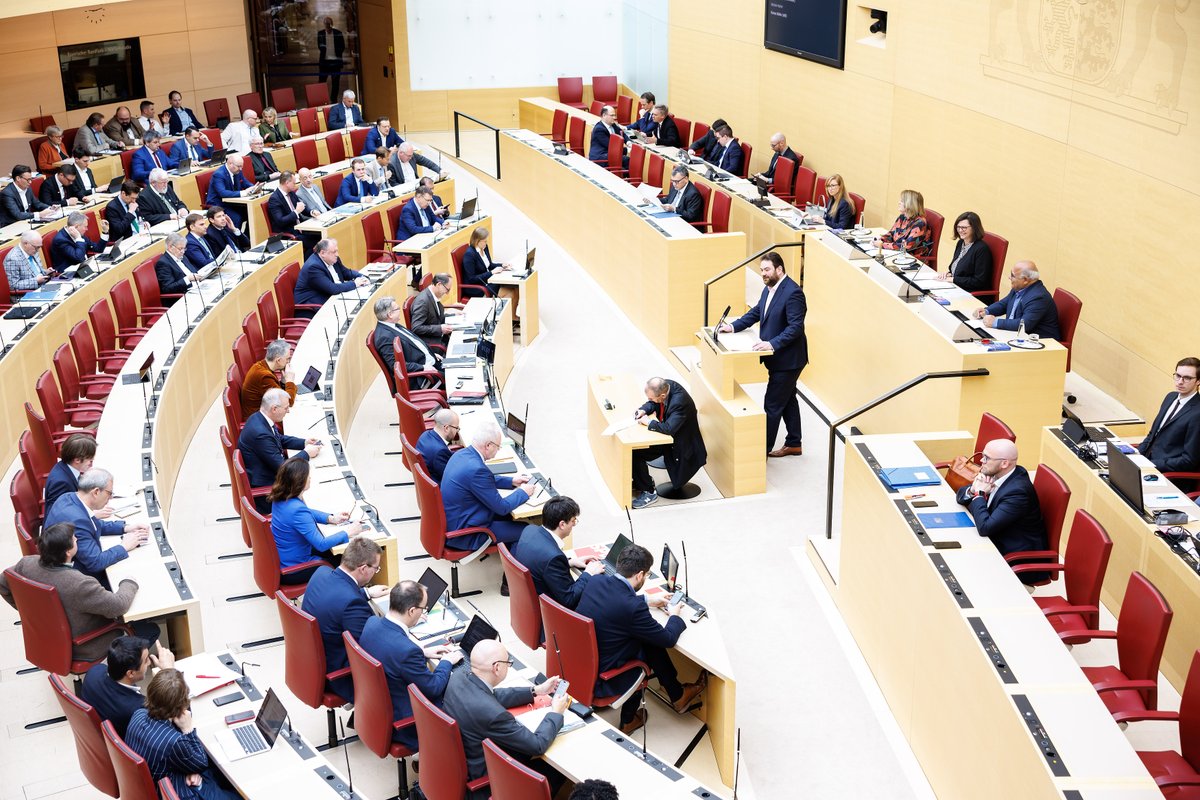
{"x": 47, "y": 240}
{"x": 570, "y": 91}
{"x": 721, "y": 203}
{"x": 44, "y": 627}
{"x": 26, "y": 539}
{"x": 304, "y": 652}
{"x": 406, "y": 309}
{"x": 616, "y": 154}
{"x": 685, "y": 128}
{"x": 1142, "y": 629}
{"x": 51, "y": 400}
{"x": 67, "y": 372}
{"x": 262, "y": 547}
{"x": 1068, "y": 307}
{"x": 1189, "y": 715}
{"x": 202, "y": 181}
{"x": 306, "y": 118}
{"x": 5, "y": 290}
{"x": 41, "y": 437}
{"x": 595, "y": 108}
{"x": 316, "y": 94}
{"x": 335, "y": 143}
{"x": 123, "y": 303}
{"x": 330, "y": 185}
{"x": 26, "y": 500}
{"x": 134, "y": 781}
{"x": 604, "y": 89}
{"x": 637, "y": 164}
{"x": 575, "y": 137}
{"x": 818, "y": 192}
{"x": 410, "y": 455}
{"x": 268, "y": 316}
{"x": 85, "y": 723}
{"x": 412, "y": 421}
{"x": 372, "y": 228}
{"x": 433, "y": 513}
{"x": 558, "y": 126}
{"x": 456, "y": 260}
{"x": 526, "y": 615}
{"x": 250, "y": 100}
{"x": 243, "y": 356}
{"x": 860, "y": 205}
{"x": 215, "y": 111}
{"x": 126, "y": 163}
{"x": 285, "y": 290}
{"x": 1086, "y": 560}
{"x": 936, "y": 221}
{"x": 999, "y": 247}
{"x": 747, "y": 151}
{"x": 387, "y": 373}
{"x": 305, "y": 152}
{"x": 358, "y": 139}
{"x": 992, "y": 427}
{"x": 284, "y": 99}
{"x": 624, "y": 109}
{"x": 252, "y": 327}
{"x": 804, "y": 183}
{"x": 229, "y": 450}
{"x": 509, "y": 779}
{"x": 1053, "y": 496}
{"x": 574, "y": 655}
{"x": 145, "y": 283}
{"x": 698, "y": 131}
{"x": 706, "y": 196}
{"x": 36, "y": 461}
{"x": 654, "y": 173}
{"x": 445, "y": 777}
{"x": 784, "y": 179}
{"x": 372, "y": 700}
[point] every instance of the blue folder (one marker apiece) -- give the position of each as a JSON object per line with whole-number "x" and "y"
{"x": 901, "y": 477}
{"x": 950, "y": 519}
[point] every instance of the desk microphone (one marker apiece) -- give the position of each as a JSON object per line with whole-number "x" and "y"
{"x": 630, "y": 518}
{"x": 171, "y": 329}
{"x": 686, "y": 583}
{"x": 737, "y": 761}
{"x": 489, "y": 622}
{"x": 346, "y": 753}
{"x": 244, "y": 664}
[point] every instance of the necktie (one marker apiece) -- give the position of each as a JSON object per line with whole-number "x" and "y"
{"x": 204, "y": 244}
{"x": 157, "y": 163}
{"x": 278, "y": 441}
{"x": 358, "y": 187}
{"x": 1170, "y": 412}
{"x": 96, "y": 133}
{"x": 191, "y": 152}
{"x": 424, "y": 219}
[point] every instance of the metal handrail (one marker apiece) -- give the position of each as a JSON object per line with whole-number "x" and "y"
{"x": 883, "y": 398}
{"x": 750, "y": 260}
{"x": 495, "y": 132}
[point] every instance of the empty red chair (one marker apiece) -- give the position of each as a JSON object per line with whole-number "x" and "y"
{"x": 510, "y": 779}
{"x": 304, "y": 663}
{"x": 575, "y": 136}
{"x": 684, "y": 126}
{"x": 558, "y": 127}
{"x": 576, "y": 658}
{"x": 616, "y": 156}
{"x": 624, "y": 109}
{"x": 91, "y": 363}
{"x": 305, "y": 151}
{"x": 133, "y": 774}
{"x": 784, "y": 180}
{"x": 721, "y": 203}
{"x": 1069, "y": 307}
{"x": 285, "y": 297}
{"x": 860, "y": 205}
{"x": 1175, "y": 773}
{"x": 595, "y": 107}
{"x": 330, "y": 185}
{"x": 525, "y": 614}
{"x": 435, "y": 537}
{"x": 36, "y": 461}
{"x": 43, "y": 435}
{"x": 358, "y": 139}
{"x": 654, "y": 172}
{"x": 215, "y": 111}
{"x": 316, "y": 94}
{"x": 252, "y": 327}
{"x": 126, "y": 163}
{"x": 60, "y": 413}
{"x": 6, "y": 294}
{"x": 604, "y": 89}
{"x": 129, "y": 325}
{"x": 306, "y": 118}
{"x": 378, "y": 245}
{"x": 335, "y": 143}
{"x": 570, "y": 92}
{"x": 85, "y": 723}
{"x": 446, "y": 777}
{"x": 373, "y": 712}
{"x": 267, "y": 571}
{"x": 248, "y": 101}
{"x": 145, "y": 284}
{"x": 26, "y": 501}
{"x": 268, "y": 313}
{"x": 202, "y": 181}
{"x": 999, "y": 247}
{"x": 706, "y": 195}
{"x": 243, "y": 356}
{"x": 805, "y": 179}
{"x": 1083, "y": 567}
{"x": 284, "y": 99}
{"x": 73, "y": 387}
{"x": 637, "y": 164}
{"x": 936, "y": 222}
{"x": 747, "y": 151}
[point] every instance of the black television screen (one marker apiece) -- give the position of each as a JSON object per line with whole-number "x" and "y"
{"x": 100, "y": 73}
{"x": 812, "y": 29}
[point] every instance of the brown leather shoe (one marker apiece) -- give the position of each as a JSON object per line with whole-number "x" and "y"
{"x": 639, "y": 719}
{"x": 786, "y": 451}
{"x": 690, "y": 692}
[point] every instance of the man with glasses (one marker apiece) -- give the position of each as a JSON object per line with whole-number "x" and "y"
{"x": 1173, "y": 443}
{"x": 264, "y": 447}
{"x": 476, "y": 701}
{"x": 684, "y": 199}
{"x": 1029, "y": 302}
{"x": 390, "y": 641}
{"x": 429, "y": 315}
{"x": 434, "y": 444}
{"x": 79, "y": 508}
{"x": 17, "y": 201}
{"x": 23, "y": 264}
{"x": 337, "y": 598}
{"x": 603, "y": 131}
{"x": 172, "y": 271}
{"x": 1004, "y": 505}
{"x": 417, "y": 355}
{"x": 470, "y": 492}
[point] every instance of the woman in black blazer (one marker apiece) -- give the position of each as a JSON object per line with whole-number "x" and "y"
{"x": 478, "y": 268}
{"x": 971, "y": 265}
{"x": 839, "y": 211}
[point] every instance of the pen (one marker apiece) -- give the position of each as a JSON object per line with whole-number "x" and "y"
{"x": 913, "y": 496}
{"x": 209, "y": 677}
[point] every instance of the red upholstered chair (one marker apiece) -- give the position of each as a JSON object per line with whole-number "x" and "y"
{"x": 316, "y": 94}
{"x": 411, "y": 418}
{"x": 285, "y": 297}
{"x": 604, "y": 89}
{"x": 446, "y": 777}
{"x": 109, "y": 356}
{"x": 990, "y": 427}
{"x": 575, "y": 135}
{"x": 388, "y": 375}
{"x": 637, "y": 164}
{"x": 558, "y": 127}
{"x": 685, "y": 127}
{"x": 95, "y": 389}
{"x": 698, "y": 131}
{"x": 166, "y": 790}
{"x": 305, "y": 151}
{"x": 306, "y": 118}
{"x": 654, "y": 172}
{"x": 616, "y": 157}
{"x": 706, "y": 196}
{"x": 464, "y": 289}
{"x": 47, "y": 239}
{"x": 624, "y": 109}
{"x": 1053, "y": 496}
{"x": 999, "y": 247}
{"x": 304, "y": 663}
{"x": 69, "y": 135}
{"x": 36, "y": 461}
{"x": 1175, "y": 773}
{"x": 373, "y": 713}
{"x": 330, "y": 184}
{"x": 747, "y": 151}
{"x": 248, "y": 172}
{"x": 266, "y": 555}
{"x": 26, "y": 536}
{"x": 403, "y": 376}
{"x": 576, "y": 658}
{"x": 94, "y": 762}
{"x": 134, "y": 781}
{"x": 216, "y": 110}
{"x": 860, "y": 204}
{"x": 510, "y": 779}
{"x": 249, "y": 100}
{"x": 268, "y": 313}
{"x": 59, "y": 412}
{"x": 126, "y": 162}
{"x": 818, "y": 192}
{"x": 239, "y": 484}
{"x": 526, "y": 615}
{"x": 378, "y": 245}
{"x": 130, "y": 327}
{"x": 202, "y": 181}
{"x": 252, "y": 327}
{"x": 936, "y": 222}
{"x": 44, "y": 627}
{"x": 721, "y": 203}
{"x": 284, "y": 99}
{"x": 6, "y": 294}
{"x": 595, "y": 108}
{"x": 1145, "y": 618}
{"x": 243, "y": 356}
{"x": 26, "y": 500}
{"x": 1083, "y": 567}
{"x": 1069, "y": 307}
{"x": 358, "y": 139}
{"x": 804, "y": 183}
{"x": 570, "y": 92}
{"x": 783, "y": 182}
{"x": 434, "y": 535}
{"x": 44, "y": 435}
{"x": 149, "y": 295}
{"x": 335, "y": 143}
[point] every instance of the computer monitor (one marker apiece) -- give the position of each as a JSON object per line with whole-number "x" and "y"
{"x": 468, "y": 208}
{"x": 669, "y": 567}
{"x": 1126, "y": 477}
{"x": 516, "y": 428}
{"x": 486, "y": 350}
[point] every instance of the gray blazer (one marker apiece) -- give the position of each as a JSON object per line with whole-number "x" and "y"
{"x": 428, "y": 316}
{"x": 86, "y": 138}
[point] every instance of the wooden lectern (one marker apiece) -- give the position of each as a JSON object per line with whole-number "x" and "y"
{"x": 733, "y": 424}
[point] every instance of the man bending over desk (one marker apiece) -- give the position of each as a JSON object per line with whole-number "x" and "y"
{"x": 79, "y": 508}
{"x": 668, "y": 409}
{"x": 469, "y": 491}
{"x": 1004, "y": 505}
{"x": 540, "y": 551}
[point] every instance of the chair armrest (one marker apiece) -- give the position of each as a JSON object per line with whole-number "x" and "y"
{"x": 112, "y": 626}
{"x": 84, "y": 405}
{"x": 399, "y": 724}
{"x": 103, "y": 354}
{"x": 700, "y": 226}
{"x": 1019, "y": 568}
{"x": 478, "y": 783}
{"x": 1067, "y": 608}
{"x": 1192, "y": 476}
{"x": 98, "y": 379}
{"x": 1180, "y": 780}
{"x": 307, "y": 307}
{"x": 469, "y": 531}
{"x": 316, "y": 562}
{"x": 1146, "y": 716}
{"x": 170, "y": 296}
{"x": 1022, "y": 555}
{"x": 1085, "y": 633}
{"x": 341, "y": 673}
{"x": 1121, "y": 686}
{"x": 261, "y": 491}
{"x": 432, "y": 374}
{"x": 626, "y": 667}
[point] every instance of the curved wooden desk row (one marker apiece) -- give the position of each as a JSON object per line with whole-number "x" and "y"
{"x": 967, "y": 661}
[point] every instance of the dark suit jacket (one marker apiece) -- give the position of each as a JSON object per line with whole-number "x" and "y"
{"x": 731, "y": 159}
{"x": 678, "y": 420}
{"x": 264, "y": 448}
{"x": 691, "y": 206}
{"x": 337, "y": 116}
{"x": 1037, "y": 309}
{"x": 374, "y": 141}
{"x": 339, "y": 604}
{"x": 283, "y": 218}
{"x": 470, "y": 496}
{"x": 414, "y": 358}
{"x": 202, "y": 153}
{"x": 840, "y": 218}
{"x": 475, "y": 271}
{"x": 787, "y": 153}
{"x": 60, "y": 481}
{"x": 66, "y": 253}
{"x": 667, "y": 134}
{"x": 1174, "y": 447}
{"x": 229, "y": 236}
{"x": 77, "y": 188}
{"x": 598, "y": 150}
{"x": 539, "y": 551}
{"x": 483, "y": 714}
{"x": 91, "y": 558}
{"x": 120, "y": 221}
{"x": 783, "y": 326}
{"x": 224, "y": 185}
{"x": 155, "y": 208}
{"x": 435, "y": 451}
{"x": 974, "y": 272}
{"x": 178, "y": 123}
{"x": 195, "y": 254}
{"x": 706, "y": 146}
{"x": 10, "y": 205}
{"x": 1013, "y": 521}
{"x": 143, "y": 161}
{"x": 54, "y": 193}
{"x": 404, "y": 664}
{"x": 624, "y": 627}
{"x": 171, "y": 278}
{"x": 410, "y": 221}
{"x": 114, "y": 702}
{"x": 348, "y": 193}
{"x": 417, "y": 160}
{"x": 428, "y": 316}
{"x": 315, "y": 284}
{"x": 263, "y": 165}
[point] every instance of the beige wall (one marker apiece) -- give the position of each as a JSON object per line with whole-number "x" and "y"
{"x": 1089, "y": 165}
{"x": 200, "y": 48}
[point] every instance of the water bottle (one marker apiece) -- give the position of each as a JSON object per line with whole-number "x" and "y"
{"x": 1021, "y": 330}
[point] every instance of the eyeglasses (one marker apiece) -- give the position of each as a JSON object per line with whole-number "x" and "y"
{"x": 963, "y": 227}
{"x": 983, "y": 459}
{"x": 508, "y": 661}
{"x": 1179, "y": 377}
{"x": 453, "y": 428}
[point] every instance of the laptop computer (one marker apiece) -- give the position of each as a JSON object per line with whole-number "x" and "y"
{"x": 243, "y": 741}
{"x": 614, "y": 552}
{"x": 466, "y": 212}
{"x": 311, "y": 382}
{"x": 183, "y": 167}
{"x": 435, "y": 587}
{"x": 1125, "y": 476}
{"x": 1079, "y": 433}
{"x": 477, "y": 630}
{"x": 114, "y": 185}
{"x": 216, "y": 158}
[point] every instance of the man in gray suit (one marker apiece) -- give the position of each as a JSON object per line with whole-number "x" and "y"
{"x": 481, "y": 711}
{"x": 428, "y": 313}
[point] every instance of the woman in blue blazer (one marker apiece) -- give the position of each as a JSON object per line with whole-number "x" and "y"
{"x": 294, "y": 524}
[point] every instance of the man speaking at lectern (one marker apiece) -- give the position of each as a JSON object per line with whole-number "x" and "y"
{"x": 780, "y": 316}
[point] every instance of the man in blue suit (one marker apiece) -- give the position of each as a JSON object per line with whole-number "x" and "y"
{"x": 70, "y": 246}
{"x": 470, "y": 496}
{"x": 729, "y": 154}
{"x": 228, "y": 181}
{"x": 181, "y": 118}
{"x": 113, "y": 688}
{"x": 195, "y": 145}
{"x": 76, "y": 457}
{"x": 148, "y": 157}
{"x": 338, "y": 600}
{"x": 416, "y": 216}
{"x": 381, "y": 135}
{"x": 324, "y": 275}
{"x": 541, "y": 553}
{"x": 199, "y": 252}
{"x": 345, "y": 114}
{"x": 79, "y": 508}
{"x": 1004, "y": 505}
{"x": 780, "y": 317}
{"x": 264, "y": 447}
{"x": 645, "y": 120}
{"x": 172, "y": 272}
{"x": 625, "y": 631}
{"x": 388, "y": 640}
{"x": 604, "y": 130}
{"x": 356, "y": 185}
{"x": 1173, "y": 443}
{"x": 1029, "y": 302}
{"x": 434, "y": 444}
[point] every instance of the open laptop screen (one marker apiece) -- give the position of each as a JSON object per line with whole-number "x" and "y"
{"x": 270, "y": 718}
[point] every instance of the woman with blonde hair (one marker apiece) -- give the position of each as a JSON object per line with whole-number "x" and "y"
{"x": 272, "y": 128}
{"x": 910, "y": 232}
{"x": 839, "y": 210}
{"x": 478, "y": 268}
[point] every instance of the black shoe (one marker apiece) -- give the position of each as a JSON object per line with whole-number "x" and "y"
{"x": 504, "y": 587}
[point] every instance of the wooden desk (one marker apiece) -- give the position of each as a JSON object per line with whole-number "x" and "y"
{"x": 436, "y": 250}
{"x": 614, "y": 454}
{"x": 527, "y": 304}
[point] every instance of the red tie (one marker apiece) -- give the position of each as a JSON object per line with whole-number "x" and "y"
{"x": 157, "y": 163}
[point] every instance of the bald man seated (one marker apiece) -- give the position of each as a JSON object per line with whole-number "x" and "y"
{"x": 481, "y": 710}
{"x": 1004, "y": 505}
